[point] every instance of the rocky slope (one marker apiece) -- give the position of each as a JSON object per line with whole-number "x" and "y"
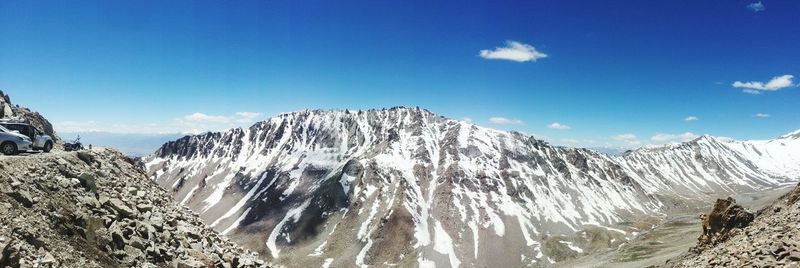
{"x": 405, "y": 186}
{"x": 96, "y": 209}
{"x": 772, "y": 239}
{"x": 11, "y": 111}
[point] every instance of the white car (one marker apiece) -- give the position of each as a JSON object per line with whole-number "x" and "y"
{"x": 40, "y": 140}
{"x": 12, "y": 142}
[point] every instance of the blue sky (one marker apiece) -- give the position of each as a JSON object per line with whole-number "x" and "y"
{"x": 610, "y": 73}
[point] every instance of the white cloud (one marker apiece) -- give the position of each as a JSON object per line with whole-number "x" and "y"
{"x": 756, "y": 7}
{"x": 627, "y": 138}
{"x": 666, "y": 137}
{"x": 691, "y": 118}
{"x": 624, "y": 137}
{"x": 251, "y": 115}
{"x": 513, "y": 51}
{"x": 776, "y": 83}
{"x": 557, "y": 125}
{"x": 467, "y": 119}
{"x": 505, "y": 121}
{"x": 204, "y": 118}
{"x": 762, "y": 115}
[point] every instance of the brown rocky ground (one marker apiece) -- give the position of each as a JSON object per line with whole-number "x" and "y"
{"x": 96, "y": 209}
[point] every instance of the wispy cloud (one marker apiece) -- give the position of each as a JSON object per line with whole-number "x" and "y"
{"x": 761, "y": 115}
{"x": 776, "y": 83}
{"x": 200, "y": 122}
{"x": 76, "y": 126}
{"x": 691, "y": 118}
{"x": 246, "y": 117}
{"x": 756, "y": 7}
{"x": 249, "y": 115}
{"x": 513, "y": 51}
{"x": 751, "y": 91}
{"x": 666, "y": 137}
{"x": 467, "y": 119}
{"x": 627, "y": 138}
{"x": 576, "y": 142}
{"x": 572, "y": 141}
{"x": 192, "y": 123}
{"x": 557, "y": 125}
{"x": 505, "y": 121}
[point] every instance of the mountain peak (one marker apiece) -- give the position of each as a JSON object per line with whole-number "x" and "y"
{"x": 792, "y": 135}
{"x": 415, "y": 109}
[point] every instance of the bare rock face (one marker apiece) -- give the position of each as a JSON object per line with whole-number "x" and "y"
{"x": 724, "y": 217}
{"x": 96, "y": 209}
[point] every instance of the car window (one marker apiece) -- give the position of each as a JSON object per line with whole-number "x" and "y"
{"x": 24, "y": 129}
{"x": 3, "y": 129}
{"x": 17, "y": 128}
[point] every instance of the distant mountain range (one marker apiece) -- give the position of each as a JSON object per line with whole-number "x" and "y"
{"x": 404, "y": 186}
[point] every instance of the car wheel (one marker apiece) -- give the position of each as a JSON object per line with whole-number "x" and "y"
{"x": 8, "y": 148}
{"x": 47, "y": 147}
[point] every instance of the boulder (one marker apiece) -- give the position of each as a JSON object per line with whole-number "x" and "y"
{"x": 4, "y": 207}
{"x": 88, "y": 182}
{"x": 188, "y": 231}
{"x": 3, "y": 246}
{"x": 47, "y": 260}
{"x": 9, "y": 255}
{"x": 144, "y": 207}
{"x": 794, "y": 256}
{"x": 86, "y": 157}
{"x": 22, "y": 196}
{"x": 189, "y": 263}
{"x": 120, "y": 206}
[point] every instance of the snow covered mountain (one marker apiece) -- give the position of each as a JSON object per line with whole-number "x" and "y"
{"x": 404, "y": 186}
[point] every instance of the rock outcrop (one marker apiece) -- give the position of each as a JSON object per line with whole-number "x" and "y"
{"x": 772, "y": 239}
{"x": 720, "y": 223}
{"x": 9, "y": 110}
{"x": 96, "y": 209}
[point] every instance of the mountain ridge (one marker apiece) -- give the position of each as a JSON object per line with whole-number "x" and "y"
{"x": 301, "y": 174}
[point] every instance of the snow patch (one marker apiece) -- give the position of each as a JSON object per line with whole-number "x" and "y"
{"x": 443, "y": 244}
